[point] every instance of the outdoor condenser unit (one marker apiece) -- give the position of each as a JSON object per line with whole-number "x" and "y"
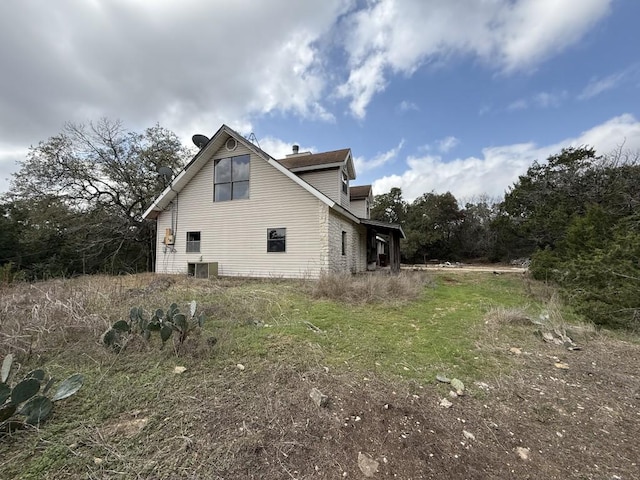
{"x": 203, "y": 270}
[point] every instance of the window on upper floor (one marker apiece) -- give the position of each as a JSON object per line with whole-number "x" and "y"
{"x": 231, "y": 178}
{"x": 276, "y": 240}
{"x": 193, "y": 242}
{"x": 345, "y": 183}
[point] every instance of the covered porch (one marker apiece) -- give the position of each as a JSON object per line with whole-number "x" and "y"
{"x": 383, "y": 244}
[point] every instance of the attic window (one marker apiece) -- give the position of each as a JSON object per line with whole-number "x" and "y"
{"x": 345, "y": 183}
{"x": 231, "y": 178}
{"x": 231, "y": 144}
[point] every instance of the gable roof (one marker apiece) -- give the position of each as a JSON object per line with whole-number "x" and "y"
{"x": 204, "y": 155}
{"x": 359, "y": 192}
{"x": 303, "y": 162}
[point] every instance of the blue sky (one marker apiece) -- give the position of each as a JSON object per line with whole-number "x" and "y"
{"x": 430, "y": 95}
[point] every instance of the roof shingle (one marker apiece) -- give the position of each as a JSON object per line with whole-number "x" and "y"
{"x": 315, "y": 160}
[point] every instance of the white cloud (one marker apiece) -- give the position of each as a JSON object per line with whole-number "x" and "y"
{"x": 539, "y": 100}
{"x": 549, "y": 100}
{"x": 499, "y": 167}
{"x": 447, "y": 144}
{"x": 406, "y": 106}
{"x": 390, "y": 36}
{"x": 184, "y": 64}
{"x": 278, "y": 148}
{"x": 363, "y": 165}
{"x": 597, "y": 85}
{"x": 9, "y": 156}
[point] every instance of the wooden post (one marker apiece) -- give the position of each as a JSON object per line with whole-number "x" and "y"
{"x": 394, "y": 252}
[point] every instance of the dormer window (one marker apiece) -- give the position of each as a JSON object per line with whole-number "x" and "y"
{"x": 345, "y": 183}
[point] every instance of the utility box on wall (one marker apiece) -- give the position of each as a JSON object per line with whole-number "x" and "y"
{"x": 202, "y": 270}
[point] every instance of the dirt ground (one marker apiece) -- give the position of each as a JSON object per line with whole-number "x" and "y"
{"x": 562, "y": 415}
{"x": 462, "y": 267}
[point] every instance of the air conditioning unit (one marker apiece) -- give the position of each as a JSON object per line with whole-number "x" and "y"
{"x": 202, "y": 270}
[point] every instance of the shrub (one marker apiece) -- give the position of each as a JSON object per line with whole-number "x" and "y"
{"x": 370, "y": 287}
{"x": 163, "y": 322}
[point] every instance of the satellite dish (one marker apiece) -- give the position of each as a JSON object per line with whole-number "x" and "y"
{"x": 166, "y": 173}
{"x": 200, "y": 140}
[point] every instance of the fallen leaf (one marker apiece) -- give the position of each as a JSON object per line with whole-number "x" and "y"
{"x": 179, "y": 369}
{"x": 562, "y": 366}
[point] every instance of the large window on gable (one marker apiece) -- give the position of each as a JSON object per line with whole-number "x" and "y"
{"x": 231, "y": 178}
{"x": 276, "y": 240}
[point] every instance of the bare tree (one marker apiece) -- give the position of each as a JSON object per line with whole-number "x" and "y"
{"x": 106, "y": 176}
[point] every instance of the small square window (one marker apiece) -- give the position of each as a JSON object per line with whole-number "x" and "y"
{"x": 193, "y": 242}
{"x": 276, "y": 240}
{"x": 344, "y": 243}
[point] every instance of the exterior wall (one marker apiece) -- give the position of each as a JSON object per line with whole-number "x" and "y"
{"x": 234, "y": 233}
{"x": 354, "y": 259}
{"x": 345, "y": 198}
{"x": 359, "y": 208}
{"x": 326, "y": 181}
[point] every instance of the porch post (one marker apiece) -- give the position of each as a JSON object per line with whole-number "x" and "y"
{"x": 394, "y": 252}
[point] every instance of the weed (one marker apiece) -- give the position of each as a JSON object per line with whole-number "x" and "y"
{"x": 370, "y": 287}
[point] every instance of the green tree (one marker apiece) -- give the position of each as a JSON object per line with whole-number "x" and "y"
{"x": 103, "y": 177}
{"x": 579, "y": 212}
{"x": 431, "y": 223}
{"x": 389, "y": 207}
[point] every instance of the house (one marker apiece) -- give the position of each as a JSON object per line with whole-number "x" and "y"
{"x": 235, "y": 210}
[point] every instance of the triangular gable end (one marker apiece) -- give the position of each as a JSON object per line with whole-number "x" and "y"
{"x": 204, "y": 155}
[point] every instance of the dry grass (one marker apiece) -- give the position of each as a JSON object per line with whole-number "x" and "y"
{"x": 508, "y": 316}
{"x": 371, "y": 287}
{"x": 136, "y": 418}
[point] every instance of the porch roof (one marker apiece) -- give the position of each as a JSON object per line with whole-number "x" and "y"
{"x": 383, "y": 227}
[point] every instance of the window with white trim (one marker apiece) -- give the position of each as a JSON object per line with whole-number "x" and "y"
{"x": 345, "y": 183}
{"x": 193, "y": 242}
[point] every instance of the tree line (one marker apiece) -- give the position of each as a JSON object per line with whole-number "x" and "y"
{"x": 75, "y": 207}
{"x": 576, "y": 216}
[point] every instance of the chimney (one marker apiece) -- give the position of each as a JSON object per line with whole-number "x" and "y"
{"x": 296, "y": 148}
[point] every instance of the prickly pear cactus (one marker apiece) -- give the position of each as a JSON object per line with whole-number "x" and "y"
{"x": 27, "y": 399}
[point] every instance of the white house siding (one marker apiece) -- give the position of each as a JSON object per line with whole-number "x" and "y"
{"x": 234, "y": 233}
{"x": 345, "y": 198}
{"x": 325, "y": 181}
{"x": 358, "y": 208}
{"x": 355, "y": 258}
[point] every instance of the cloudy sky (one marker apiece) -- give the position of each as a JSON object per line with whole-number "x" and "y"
{"x": 430, "y": 95}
